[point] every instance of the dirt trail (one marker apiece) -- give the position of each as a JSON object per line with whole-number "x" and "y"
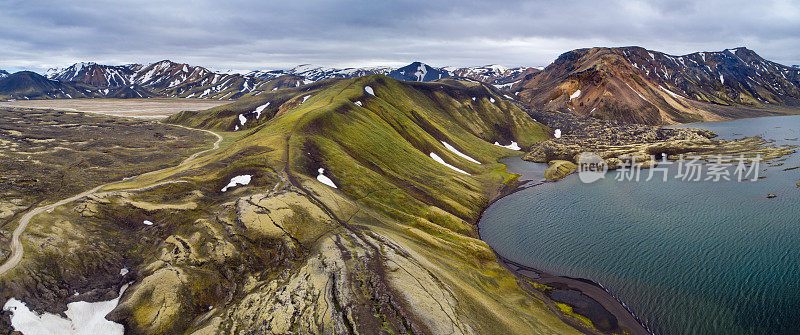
{"x": 194, "y": 155}
{"x": 16, "y": 246}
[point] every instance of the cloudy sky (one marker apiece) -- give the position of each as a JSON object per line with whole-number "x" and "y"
{"x": 245, "y": 35}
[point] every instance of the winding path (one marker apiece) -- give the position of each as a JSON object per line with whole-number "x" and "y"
{"x": 16, "y": 246}
{"x": 194, "y": 155}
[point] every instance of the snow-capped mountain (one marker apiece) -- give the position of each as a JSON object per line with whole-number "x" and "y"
{"x": 315, "y": 73}
{"x": 163, "y": 78}
{"x": 266, "y": 74}
{"x": 93, "y": 74}
{"x": 3, "y": 74}
{"x": 318, "y": 73}
{"x": 493, "y": 74}
{"x": 159, "y": 75}
{"x": 417, "y": 71}
{"x": 167, "y": 74}
{"x": 185, "y": 81}
{"x": 171, "y": 79}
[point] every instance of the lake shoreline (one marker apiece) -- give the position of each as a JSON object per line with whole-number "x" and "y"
{"x": 774, "y": 140}
{"x": 607, "y": 312}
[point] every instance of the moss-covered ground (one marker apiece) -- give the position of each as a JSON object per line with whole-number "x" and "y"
{"x": 392, "y": 249}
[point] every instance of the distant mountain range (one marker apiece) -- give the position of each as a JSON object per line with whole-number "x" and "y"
{"x": 495, "y": 74}
{"x": 164, "y": 78}
{"x": 169, "y": 79}
{"x": 415, "y": 71}
{"x": 628, "y": 84}
{"x": 314, "y": 73}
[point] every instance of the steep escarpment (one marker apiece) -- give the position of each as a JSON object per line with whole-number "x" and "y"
{"x": 357, "y": 216}
{"x": 636, "y": 85}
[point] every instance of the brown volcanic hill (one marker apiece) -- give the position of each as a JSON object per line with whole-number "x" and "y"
{"x": 636, "y": 85}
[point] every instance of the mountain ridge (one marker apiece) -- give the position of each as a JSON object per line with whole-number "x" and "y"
{"x": 178, "y": 80}
{"x": 629, "y": 84}
{"x": 633, "y": 84}
{"x": 153, "y": 74}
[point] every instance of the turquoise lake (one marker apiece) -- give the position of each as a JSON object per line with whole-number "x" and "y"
{"x": 687, "y": 257}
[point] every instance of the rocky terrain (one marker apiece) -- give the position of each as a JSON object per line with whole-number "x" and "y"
{"x": 636, "y": 85}
{"x": 618, "y": 143}
{"x": 48, "y": 155}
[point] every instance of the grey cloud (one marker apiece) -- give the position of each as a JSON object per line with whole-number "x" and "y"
{"x": 262, "y": 34}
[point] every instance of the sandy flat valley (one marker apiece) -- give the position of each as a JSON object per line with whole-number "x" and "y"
{"x": 141, "y": 108}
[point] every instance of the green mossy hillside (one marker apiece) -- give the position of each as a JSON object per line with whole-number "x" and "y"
{"x": 393, "y": 248}
{"x": 226, "y": 117}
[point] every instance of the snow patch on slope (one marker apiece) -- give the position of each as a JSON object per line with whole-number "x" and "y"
{"x": 260, "y": 109}
{"x": 455, "y": 151}
{"x": 505, "y": 86}
{"x": 673, "y": 94}
{"x": 82, "y": 318}
{"x": 238, "y": 180}
{"x": 634, "y": 91}
{"x": 324, "y": 179}
{"x": 512, "y": 146}
{"x": 421, "y": 72}
{"x": 441, "y": 161}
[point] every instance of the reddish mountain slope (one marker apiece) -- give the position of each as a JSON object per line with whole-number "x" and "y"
{"x": 633, "y": 84}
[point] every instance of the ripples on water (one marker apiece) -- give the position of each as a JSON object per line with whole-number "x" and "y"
{"x": 687, "y": 257}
